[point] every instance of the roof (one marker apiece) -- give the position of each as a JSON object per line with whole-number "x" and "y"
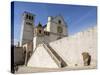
{"x": 39, "y": 25}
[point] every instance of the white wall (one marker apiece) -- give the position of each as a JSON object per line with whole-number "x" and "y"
{"x": 70, "y": 48}
{"x": 41, "y": 59}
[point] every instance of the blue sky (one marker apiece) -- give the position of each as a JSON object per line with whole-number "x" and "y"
{"x": 78, "y": 18}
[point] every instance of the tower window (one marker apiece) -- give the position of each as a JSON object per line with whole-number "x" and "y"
{"x": 27, "y": 16}
{"x": 28, "y": 23}
{"x": 59, "y": 21}
{"x": 30, "y": 17}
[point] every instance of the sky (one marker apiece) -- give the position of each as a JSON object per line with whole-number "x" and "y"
{"x": 77, "y": 17}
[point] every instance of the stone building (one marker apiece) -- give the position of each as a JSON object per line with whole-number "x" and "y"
{"x": 32, "y": 35}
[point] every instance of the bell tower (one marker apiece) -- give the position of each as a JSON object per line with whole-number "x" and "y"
{"x": 27, "y": 27}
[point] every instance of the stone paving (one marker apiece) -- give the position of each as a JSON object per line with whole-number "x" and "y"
{"x": 25, "y": 69}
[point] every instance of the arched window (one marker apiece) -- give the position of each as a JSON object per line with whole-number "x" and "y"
{"x": 59, "y": 21}
{"x": 40, "y": 31}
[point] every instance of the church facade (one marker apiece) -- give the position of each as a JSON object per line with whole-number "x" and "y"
{"x": 32, "y": 35}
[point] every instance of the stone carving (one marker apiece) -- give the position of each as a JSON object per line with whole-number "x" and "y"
{"x": 86, "y": 58}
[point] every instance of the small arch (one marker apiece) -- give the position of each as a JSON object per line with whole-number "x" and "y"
{"x": 86, "y": 58}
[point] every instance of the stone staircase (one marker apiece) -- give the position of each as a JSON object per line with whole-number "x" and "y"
{"x": 59, "y": 61}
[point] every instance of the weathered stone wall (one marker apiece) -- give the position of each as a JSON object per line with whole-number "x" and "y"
{"x": 19, "y": 56}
